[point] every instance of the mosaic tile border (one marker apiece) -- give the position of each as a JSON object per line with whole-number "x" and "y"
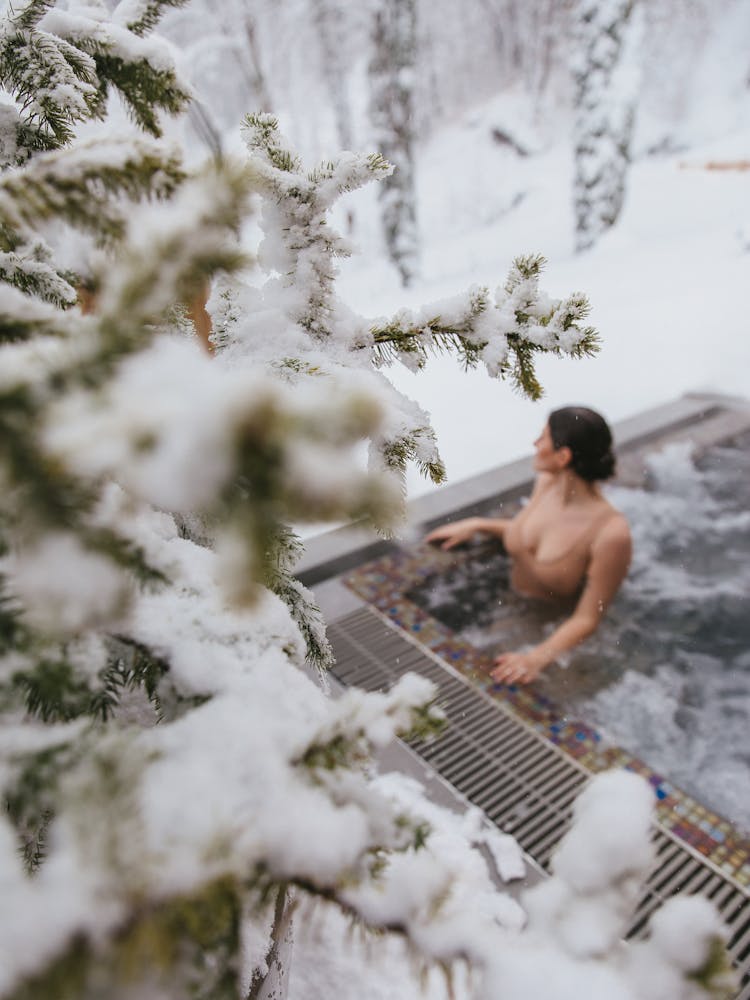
{"x": 383, "y": 584}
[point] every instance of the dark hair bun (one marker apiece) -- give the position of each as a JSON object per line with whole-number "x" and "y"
{"x": 586, "y": 433}
{"x": 593, "y": 469}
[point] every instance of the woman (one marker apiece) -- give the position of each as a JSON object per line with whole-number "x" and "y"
{"x": 567, "y": 544}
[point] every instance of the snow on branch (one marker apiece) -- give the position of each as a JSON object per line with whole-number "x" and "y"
{"x": 243, "y": 449}
{"x": 53, "y": 82}
{"x": 148, "y": 610}
{"x": 300, "y": 244}
{"x": 504, "y": 334}
{"x": 25, "y": 16}
{"x": 29, "y": 269}
{"x": 194, "y": 231}
{"x": 59, "y": 66}
{"x": 77, "y": 185}
{"x": 23, "y": 316}
{"x": 87, "y": 186}
{"x": 142, "y": 16}
{"x": 140, "y": 68}
{"x": 315, "y": 332}
{"x": 568, "y": 942}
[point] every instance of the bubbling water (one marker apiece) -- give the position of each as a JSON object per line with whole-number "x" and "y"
{"x": 677, "y": 644}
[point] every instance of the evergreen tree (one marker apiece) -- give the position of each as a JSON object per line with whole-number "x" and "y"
{"x": 392, "y": 79}
{"x": 604, "y": 112}
{"x": 168, "y": 770}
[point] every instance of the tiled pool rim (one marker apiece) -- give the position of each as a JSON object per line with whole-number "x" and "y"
{"x": 384, "y": 584}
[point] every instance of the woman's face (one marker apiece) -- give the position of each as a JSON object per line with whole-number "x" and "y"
{"x": 547, "y": 457}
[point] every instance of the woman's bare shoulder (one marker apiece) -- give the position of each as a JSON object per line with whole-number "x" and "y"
{"x": 614, "y": 531}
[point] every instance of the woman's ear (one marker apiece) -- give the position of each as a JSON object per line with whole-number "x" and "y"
{"x": 563, "y": 456}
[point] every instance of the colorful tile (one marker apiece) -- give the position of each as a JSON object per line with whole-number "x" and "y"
{"x": 385, "y": 584}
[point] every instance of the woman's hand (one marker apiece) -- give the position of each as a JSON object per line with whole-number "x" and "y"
{"x": 518, "y": 668}
{"x": 609, "y": 563}
{"x": 457, "y": 532}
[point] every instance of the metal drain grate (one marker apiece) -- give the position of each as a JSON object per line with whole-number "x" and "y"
{"x": 524, "y": 783}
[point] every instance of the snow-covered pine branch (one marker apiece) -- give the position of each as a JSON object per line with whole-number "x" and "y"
{"x": 138, "y": 293}
{"x": 30, "y": 269}
{"x": 79, "y": 185}
{"x": 316, "y": 332}
{"x": 108, "y": 422}
{"x": 138, "y": 66}
{"x": 206, "y": 813}
{"x": 59, "y": 67}
{"x": 503, "y": 334}
{"x": 565, "y": 939}
{"x": 299, "y": 243}
{"x": 87, "y": 187}
{"x": 142, "y": 16}
{"x": 53, "y": 83}
{"x": 53, "y": 65}
{"x": 240, "y": 726}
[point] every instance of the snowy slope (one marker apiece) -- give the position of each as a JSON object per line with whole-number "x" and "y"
{"x": 667, "y": 286}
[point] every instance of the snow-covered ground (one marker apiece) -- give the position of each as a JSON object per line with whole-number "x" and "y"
{"x": 667, "y": 286}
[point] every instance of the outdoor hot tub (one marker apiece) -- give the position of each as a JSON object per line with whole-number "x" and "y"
{"x": 667, "y": 674}
{"x": 662, "y": 688}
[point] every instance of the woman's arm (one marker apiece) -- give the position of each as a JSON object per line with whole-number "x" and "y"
{"x": 610, "y": 559}
{"x": 458, "y": 532}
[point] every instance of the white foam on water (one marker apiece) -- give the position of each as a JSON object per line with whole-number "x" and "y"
{"x": 689, "y": 727}
{"x": 682, "y": 701}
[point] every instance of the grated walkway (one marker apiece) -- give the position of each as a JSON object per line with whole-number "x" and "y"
{"x": 522, "y": 781}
